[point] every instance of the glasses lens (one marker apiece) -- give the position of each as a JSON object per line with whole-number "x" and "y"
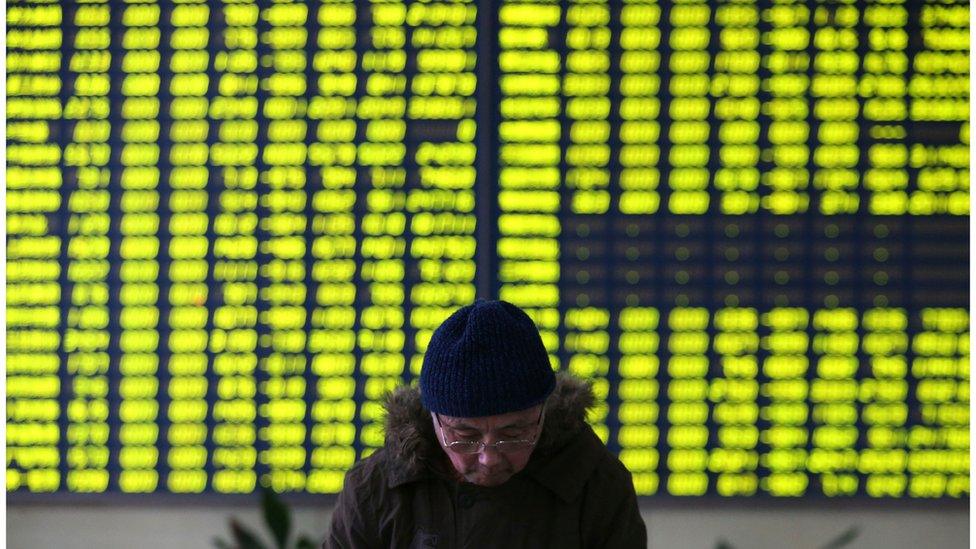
{"x": 513, "y": 445}
{"x": 465, "y": 447}
{"x": 462, "y": 447}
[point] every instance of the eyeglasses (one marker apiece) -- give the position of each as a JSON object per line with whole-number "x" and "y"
{"x": 504, "y": 446}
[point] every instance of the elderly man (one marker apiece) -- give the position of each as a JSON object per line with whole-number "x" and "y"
{"x": 493, "y": 451}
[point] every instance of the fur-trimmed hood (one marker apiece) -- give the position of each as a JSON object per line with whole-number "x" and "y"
{"x": 412, "y": 446}
{"x": 573, "y": 492}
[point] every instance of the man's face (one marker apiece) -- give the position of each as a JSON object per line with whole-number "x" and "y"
{"x": 489, "y": 467}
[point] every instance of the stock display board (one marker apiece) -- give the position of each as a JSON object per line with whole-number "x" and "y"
{"x": 232, "y": 226}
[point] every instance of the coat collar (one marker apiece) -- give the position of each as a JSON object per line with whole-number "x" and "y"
{"x": 415, "y": 454}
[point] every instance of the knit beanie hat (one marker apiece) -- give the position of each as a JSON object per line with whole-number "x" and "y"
{"x": 486, "y": 359}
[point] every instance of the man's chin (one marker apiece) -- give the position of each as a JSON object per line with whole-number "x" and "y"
{"x": 489, "y": 480}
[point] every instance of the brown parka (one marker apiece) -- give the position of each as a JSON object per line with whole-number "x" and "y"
{"x": 573, "y": 492}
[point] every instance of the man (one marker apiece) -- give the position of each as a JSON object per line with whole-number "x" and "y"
{"x": 492, "y": 451}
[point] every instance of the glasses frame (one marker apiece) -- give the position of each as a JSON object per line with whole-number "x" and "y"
{"x": 499, "y": 445}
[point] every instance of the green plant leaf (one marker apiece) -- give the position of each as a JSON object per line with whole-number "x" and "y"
{"x": 843, "y": 539}
{"x": 305, "y": 543}
{"x": 245, "y": 539}
{"x": 278, "y": 517}
{"x": 221, "y": 544}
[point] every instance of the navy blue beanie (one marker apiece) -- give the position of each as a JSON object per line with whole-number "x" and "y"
{"x": 486, "y": 359}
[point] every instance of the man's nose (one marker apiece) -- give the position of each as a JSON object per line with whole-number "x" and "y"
{"x": 489, "y": 456}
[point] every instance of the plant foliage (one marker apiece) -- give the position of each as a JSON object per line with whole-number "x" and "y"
{"x": 277, "y": 518}
{"x": 846, "y": 537}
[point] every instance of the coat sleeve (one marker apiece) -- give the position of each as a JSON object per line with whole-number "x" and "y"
{"x": 612, "y": 517}
{"x": 353, "y": 519}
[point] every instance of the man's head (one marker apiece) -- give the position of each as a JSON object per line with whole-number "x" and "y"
{"x": 485, "y": 377}
{"x": 489, "y": 450}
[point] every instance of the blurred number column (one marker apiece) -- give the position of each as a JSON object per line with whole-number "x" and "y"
{"x": 834, "y": 410}
{"x": 332, "y": 157}
{"x": 441, "y": 132}
{"x": 639, "y": 412}
{"x": 733, "y": 395}
{"x": 734, "y": 87}
{"x": 687, "y": 393}
{"x": 783, "y": 411}
{"x": 883, "y": 87}
{"x": 233, "y": 336}
{"x": 36, "y": 193}
{"x": 939, "y": 442}
{"x": 586, "y": 134}
{"x": 690, "y": 108}
{"x": 382, "y": 179}
{"x": 938, "y": 87}
{"x": 282, "y": 36}
{"x": 139, "y": 271}
{"x": 86, "y": 338}
{"x": 187, "y": 252}
{"x": 884, "y": 395}
{"x": 785, "y": 177}
{"x": 835, "y": 105}
{"x": 529, "y": 157}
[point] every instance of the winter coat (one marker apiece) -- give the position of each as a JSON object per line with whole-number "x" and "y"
{"x": 572, "y": 493}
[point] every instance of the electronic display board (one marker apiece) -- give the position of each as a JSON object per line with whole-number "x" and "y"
{"x": 233, "y": 225}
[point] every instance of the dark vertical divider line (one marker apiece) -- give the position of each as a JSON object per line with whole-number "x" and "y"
{"x": 710, "y": 225}
{"x": 610, "y": 235}
{"x": 565, "y": 213}
{"x": 214, "y": 180}
{"x": 486, "y": 278}
{"x": 163, "y": 283}
{"x": 906, "y": 230}
{"x": 263, "y": 254}
{"x": 113, "y": 277}
{"x": 312, "y": 183}
{"x": 69, "y": 182}
{"x": 659, "y": 227}
{"x": 359, "y": 211}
